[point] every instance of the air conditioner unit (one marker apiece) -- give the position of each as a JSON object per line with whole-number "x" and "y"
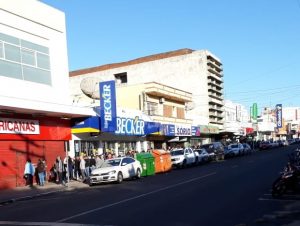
{"x": 161, "y": 100}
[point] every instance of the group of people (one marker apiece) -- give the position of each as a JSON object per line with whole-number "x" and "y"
{"x": 39, "y": 171}
{"x": 78, "y": 168}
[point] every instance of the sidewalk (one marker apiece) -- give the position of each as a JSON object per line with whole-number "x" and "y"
{"x": 25, "y": 193}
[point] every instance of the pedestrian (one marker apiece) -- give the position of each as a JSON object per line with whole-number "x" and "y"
{"x": 70, "y": 167}
{"x": 77, "y": 172}
{"x": 59, "y": 169}
{"x": 82, "y": 168}
{"x": 29, "y": 173}
{"x": 99, "y": 161}
{"x": 41, "y": 172}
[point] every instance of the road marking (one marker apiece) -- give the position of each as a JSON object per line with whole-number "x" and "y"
{"x": 136, "y": 197}
{"x": 44, "y": 223}
{"x": 280, "y": 200}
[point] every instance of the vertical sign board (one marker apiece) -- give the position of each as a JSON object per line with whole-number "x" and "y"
{"x": 108, "y": 108}
{"x": 279, "y": 115}
{"x": 254, "y": 111}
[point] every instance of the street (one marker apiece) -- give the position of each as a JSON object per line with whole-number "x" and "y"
{"x": 232, "y": 192}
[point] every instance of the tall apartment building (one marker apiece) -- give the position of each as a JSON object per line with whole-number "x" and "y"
{"x": 196, "y": 71}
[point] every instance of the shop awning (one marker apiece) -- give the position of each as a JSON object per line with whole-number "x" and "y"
{"x": 87, "y": 125}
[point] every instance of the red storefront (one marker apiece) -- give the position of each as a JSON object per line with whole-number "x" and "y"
{"x": 23, "y": 137}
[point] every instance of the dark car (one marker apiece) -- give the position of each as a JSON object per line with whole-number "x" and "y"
{"x": 215, "y": 150}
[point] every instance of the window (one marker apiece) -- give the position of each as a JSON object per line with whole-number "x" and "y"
{"x": 167, "y": 111}
{"x": 152, "y": 108}
{"x": 24, "y": 60}
{"x": 180, "y": 113}
{"x": 1, "y": 49}
{"x": 121, "y": 78}
{"x": 28, "y": 57}
{"x": 12, "y": 53}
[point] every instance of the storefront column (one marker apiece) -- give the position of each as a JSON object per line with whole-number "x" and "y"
{"x": 138, "y": 146}
{"x": 116, "y": 149}
{"x": 145, "y": 145}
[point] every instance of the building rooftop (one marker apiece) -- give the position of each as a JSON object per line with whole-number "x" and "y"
{"x": 132, "y": 62}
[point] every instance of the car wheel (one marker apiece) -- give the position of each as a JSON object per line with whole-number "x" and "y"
{"x": 138, "y": 173}
{"x": 120, "y": 177}
{"x": 184, "y": 164}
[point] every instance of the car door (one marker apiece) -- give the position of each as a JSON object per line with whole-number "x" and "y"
{"x": 190, "y": 156}
{"x": 125, "y": 166}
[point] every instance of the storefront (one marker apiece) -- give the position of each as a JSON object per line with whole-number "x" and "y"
{"x": 23, "y": 137}
{"x": 132, "y": 130}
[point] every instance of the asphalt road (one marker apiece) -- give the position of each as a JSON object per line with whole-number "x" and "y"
{"x": 233, "y": 192}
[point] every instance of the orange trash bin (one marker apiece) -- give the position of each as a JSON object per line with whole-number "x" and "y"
{"x": 162, "y": 160}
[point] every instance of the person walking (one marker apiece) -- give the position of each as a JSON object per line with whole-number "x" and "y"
{"x": 59, "y": 169}
{"x": 29, "y": 173}
{"x": 41, "y": 172}
{"x": 82, "y": 168}
{"x": 77, "y": 172}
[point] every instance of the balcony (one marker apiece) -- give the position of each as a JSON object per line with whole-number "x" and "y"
{"x": 164, "y": 119}
{"x": 214, "y": 101}
{"x": 159, "y": 90}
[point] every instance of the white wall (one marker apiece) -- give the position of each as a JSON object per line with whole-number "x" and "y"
{"x": 41, "y": 24}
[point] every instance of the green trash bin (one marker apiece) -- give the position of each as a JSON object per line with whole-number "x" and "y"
{"x": 147, "y": 162}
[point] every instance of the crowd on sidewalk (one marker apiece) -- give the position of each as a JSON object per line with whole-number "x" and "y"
{"x": 78, "y": 168}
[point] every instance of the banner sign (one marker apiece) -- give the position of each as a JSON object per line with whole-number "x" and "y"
{"x": 19, "y": 126}
{"x": 167, "y": 130}
{"x": 135, "y": 126}
{"x": 108, "y": 109}
{"x": 279, "y": 115}
{"x": 196, "y": 131}
{"x": 254, "y": 111}
{"x": 183, "y": 130}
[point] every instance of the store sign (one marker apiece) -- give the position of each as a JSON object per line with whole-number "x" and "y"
{"x": 19, "y": 126}
{"x": 183, "y": 130}
{"x": 129, "y": 126}
{"x": 108, "y": 109}
{"x": 196, "y": 131}
{"x": 279, "y": 116}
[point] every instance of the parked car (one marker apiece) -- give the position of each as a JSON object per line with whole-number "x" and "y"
{"x": 264, "y": 145}
{"x": 247, "y": 148}
{"x": 116, "y": 169}
{"x": 228, "y": 153}
{"x": 215, "y": 150}
{"x": 203, "y": 155}
{"x": 237, "y": 149}
{"x": 182, "y": 157}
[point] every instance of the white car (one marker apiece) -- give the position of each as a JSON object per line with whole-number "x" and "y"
{"x": 116, "y": 169}
{"x": 203, "y": 155}
{"x": 182, "y": 157}
{"x": 237, "y": 149}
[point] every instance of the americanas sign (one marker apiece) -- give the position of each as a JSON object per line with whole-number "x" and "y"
{"x": 108, "y": 107}
{"x": 279, "y": 116}
{"x": 19, "y": 126}
{"x": 183, "y": 130}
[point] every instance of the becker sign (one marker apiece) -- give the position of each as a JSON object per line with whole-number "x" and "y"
{"x": 19, "y": 126}
{"x": 108, "y": 106}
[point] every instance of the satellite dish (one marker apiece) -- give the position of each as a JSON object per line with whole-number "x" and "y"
{"x": 189, "y": 106}
{"x": 90, "y": 87}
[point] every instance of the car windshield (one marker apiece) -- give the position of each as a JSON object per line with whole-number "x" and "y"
{"x": 111, "y": 162}
{"x": 177, "y": 152}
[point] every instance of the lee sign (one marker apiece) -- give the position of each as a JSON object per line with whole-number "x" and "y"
{"x": 19, "y": 126}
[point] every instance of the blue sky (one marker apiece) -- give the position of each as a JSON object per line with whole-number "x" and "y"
{"x": 258, "y": 41}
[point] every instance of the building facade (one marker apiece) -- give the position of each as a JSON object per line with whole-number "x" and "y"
{"x": 197, "y": 72}
{"x": 237, "y": 120}
{"x": 35, "y": 103}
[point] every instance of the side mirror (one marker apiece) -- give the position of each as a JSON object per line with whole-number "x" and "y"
{"x": 124, "y": 164}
